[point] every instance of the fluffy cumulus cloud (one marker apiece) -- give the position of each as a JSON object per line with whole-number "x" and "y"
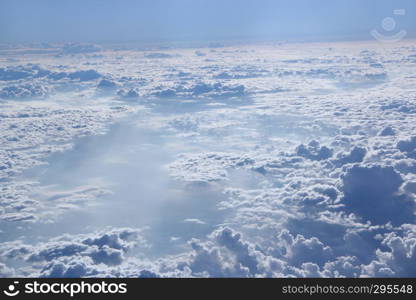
{"x": 202, "y": 89}
{"x": 32, "y": 81}
{"x": 84, "y": 75}
{"x": 398, "y": 260}
{"x": 220, "y": 161}
{"x": 408, "y": 146}
{"x": 22, "y": 72}
{"x": 373, "y": 192}
{"x": 24, "y": 91}
{"x": 314, "y": 151}
{"x": 79, "y": 255}
{"x": 106, "y": 84}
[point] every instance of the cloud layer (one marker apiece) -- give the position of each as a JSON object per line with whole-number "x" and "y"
{"x": 227, "y": 161}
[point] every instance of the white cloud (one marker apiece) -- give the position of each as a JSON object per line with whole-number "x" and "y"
{"x": 310, "y": 151}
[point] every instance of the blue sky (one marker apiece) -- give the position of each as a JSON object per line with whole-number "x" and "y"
{"x": 114, "y": 21}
